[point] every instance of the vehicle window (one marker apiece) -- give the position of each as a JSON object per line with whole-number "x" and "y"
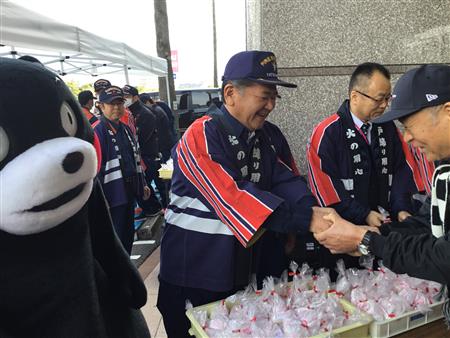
{"x": 200, "y": 99}
{"x": 154, "y": 95}
{"x": 183, "y": 101}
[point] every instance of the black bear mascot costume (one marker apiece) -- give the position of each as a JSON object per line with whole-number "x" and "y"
{"x": 63, "y": 272}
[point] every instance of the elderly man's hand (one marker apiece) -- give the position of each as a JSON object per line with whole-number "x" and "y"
{"x": 342, "y": 236}
{"x": 374, "y": 219}
{"x": 373, "y": 229}
{"x": 355, "y": 253}
{"x": 402, "y": 215}
{"x": 318, "y": 222}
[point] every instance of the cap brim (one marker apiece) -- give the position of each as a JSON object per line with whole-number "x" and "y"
{"x": 392, "y": 115}
{"x": 111, "y": 99}
{"x": 277, "y": 82}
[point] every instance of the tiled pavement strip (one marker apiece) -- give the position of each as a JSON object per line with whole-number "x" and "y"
{"x": 149, "y": 271}
{"x": 145, "y": 256}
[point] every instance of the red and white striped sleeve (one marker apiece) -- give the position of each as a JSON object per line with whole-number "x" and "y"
{"x": 321, "y": 183}
{"x": 242, "y": 210}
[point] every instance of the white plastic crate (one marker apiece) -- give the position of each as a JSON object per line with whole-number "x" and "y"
{"x": 359, "y": 329}
{"x": 406, "y": 322}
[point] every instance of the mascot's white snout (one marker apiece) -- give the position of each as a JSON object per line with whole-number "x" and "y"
{"x": 46, "y": 185}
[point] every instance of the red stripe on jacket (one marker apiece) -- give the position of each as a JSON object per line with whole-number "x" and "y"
{"x": 240, "y": 201}
{"x": 321, "y": 184}
{"x": 185, "y": 168}
{"x": 412, "y": 164}
{"x": 426, "y": 168}
{"x": 221, "y": 210}
{"x": 98, "y": 151}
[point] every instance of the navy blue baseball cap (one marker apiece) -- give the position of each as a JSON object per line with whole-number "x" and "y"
{"x": 257, "y": 66}
{"x": 144, "y": 97}
{"x": 101, "y": 84}
{"x": 84, "y": 97}
{"x": 130, "y": 90}
{"x": 418, "y": 88}
{"x": 110, "y": 94}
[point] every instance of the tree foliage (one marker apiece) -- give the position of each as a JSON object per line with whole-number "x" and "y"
{"x": 76, "y": 88}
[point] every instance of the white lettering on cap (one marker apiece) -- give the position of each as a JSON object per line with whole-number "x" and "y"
{"x": 431, "y": 97}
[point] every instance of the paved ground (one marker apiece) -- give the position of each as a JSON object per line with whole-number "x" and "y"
{"x": 147, "y": 240}
{"x": 150, "y": 311}
{"x": 145, "y": 255}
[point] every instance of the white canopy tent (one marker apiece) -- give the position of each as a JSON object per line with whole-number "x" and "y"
{"x": 68, "y": 49}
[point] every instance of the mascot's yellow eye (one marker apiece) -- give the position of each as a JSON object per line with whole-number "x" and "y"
{"x": 4, "y": 144}
{"x": 68, "y": 119}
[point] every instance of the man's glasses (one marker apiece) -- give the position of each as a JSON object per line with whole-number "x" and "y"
{"x": 386, "y": 98}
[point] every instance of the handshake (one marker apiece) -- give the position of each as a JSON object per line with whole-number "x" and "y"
{"x": 338, "y": 234}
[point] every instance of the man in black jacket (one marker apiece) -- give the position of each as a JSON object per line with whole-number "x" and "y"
{"x": 165, "y": 136}
{"x": 147, "y": 135}
{"x": 421, "y": 102}
{"x": 170, "y": 115}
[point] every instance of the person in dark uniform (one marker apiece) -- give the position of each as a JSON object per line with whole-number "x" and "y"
{"x": 86, "y": 100}
{"x": 121, "y": 174}
{"x": 229, "y": 187}
{"x": 420, "y": 245}
{"x": 99, "y": 86}
{"x": 357, "y": 166}
{"x": 165, "y": 136}
{"x": 148, "y": 139}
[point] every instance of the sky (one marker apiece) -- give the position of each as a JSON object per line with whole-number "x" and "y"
{"x": 132, "y": 22}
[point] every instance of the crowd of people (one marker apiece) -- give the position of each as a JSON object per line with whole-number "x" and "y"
{"x": 240, "y": 209}
{"x": 135, "y": 135}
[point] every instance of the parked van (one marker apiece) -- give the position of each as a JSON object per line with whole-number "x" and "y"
{"x": 192, "y": 104}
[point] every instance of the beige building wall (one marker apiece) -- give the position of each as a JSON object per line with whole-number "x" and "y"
{"x": 319, "y": 42}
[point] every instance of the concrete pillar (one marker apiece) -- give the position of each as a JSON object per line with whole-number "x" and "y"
{"x": 319, "y": 42}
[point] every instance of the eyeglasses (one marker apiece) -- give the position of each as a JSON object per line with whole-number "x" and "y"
{"x": 386, "y": 98}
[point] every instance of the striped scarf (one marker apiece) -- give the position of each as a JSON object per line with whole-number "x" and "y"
{"x": 440, "y": 212}
{"x": 440, "y": 199}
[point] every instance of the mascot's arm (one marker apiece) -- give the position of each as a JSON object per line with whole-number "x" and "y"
{"x": 3, "y": 334}
{"x": 125, "y": 280}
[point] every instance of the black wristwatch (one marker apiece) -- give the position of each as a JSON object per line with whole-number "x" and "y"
{"x": 363, "y": 246}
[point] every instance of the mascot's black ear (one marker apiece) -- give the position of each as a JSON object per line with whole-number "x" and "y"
{"x": 112, "y": 257}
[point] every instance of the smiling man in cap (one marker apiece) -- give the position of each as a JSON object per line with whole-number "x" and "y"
{"x": 421, "y": 102}
{"x": 233, "y": 179}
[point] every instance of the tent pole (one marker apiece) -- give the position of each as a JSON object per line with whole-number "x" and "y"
{"x": 127, "y": 79}
{"x": 61, "y": 63}
{"x": 13, "y": 52}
